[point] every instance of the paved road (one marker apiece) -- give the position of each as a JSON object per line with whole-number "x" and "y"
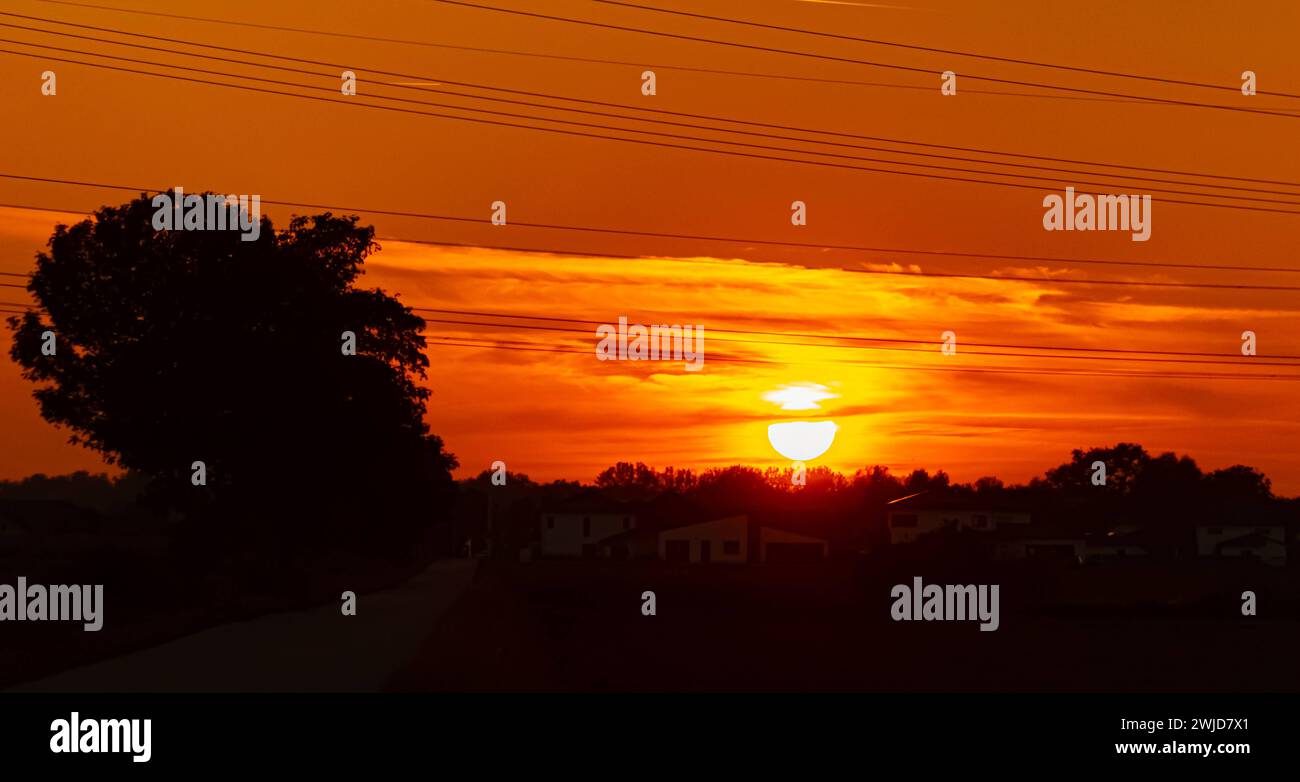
{"x": 319, "y": 650}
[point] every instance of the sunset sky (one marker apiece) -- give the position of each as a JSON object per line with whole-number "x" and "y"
{"x": 547, "y": 407}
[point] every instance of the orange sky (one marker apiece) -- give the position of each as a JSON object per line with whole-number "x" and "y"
{"x": 568, "y": 415}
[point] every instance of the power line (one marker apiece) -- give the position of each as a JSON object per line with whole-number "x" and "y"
{"x": 894, "y": 273}
{"x": 1112, "y": 353}
{"x": 899, "y": 340}
{"x": 647, "y": 142}
{"x": 935, "y": 50}
{"x": 832, "y": 58}
{"x": 635, "y": 118}
{"x": 548, "y": 96}
{"x": 1021, "y": 278}
{"x": 469, "y": 342}
{"x": 929, "y": 351}
{"x": 811, "y": 245}
{"x": 913, "y": 367}
{"x": 590, "y": 112}
{"x": 554, "y": 251}
{"x": 534, "y": 347}
{"x": 1252, "y": 362}
{"x": 570, "y": 58}
{"x": 888, "y": 272}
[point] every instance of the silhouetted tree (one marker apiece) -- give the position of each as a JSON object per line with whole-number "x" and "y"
{"x": 920, "y": 480}
{"x": 1124, "y": 463}
{"x": 635, "y": 482}
{"x": 183, "y": 346}
{"x": 80, "y": 488}
{"x": 818, "y": 479}
{"x": 629, "y": 481}
{"x": 733, "y": 489}
{"x": 1239, "y": 483}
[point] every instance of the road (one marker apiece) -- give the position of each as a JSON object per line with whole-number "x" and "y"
{"x": 318, "y": 650}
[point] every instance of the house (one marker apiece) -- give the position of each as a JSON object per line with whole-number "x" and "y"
{"x": 576, "y": 527}
{"x": 720, "y": 540}
{"x": 1264, "y": 543}
{"x": 910, "y": 517}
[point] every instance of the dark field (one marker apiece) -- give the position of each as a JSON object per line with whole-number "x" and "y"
{"x": 577, "y": 626}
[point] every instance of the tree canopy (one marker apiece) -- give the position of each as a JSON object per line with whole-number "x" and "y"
{"x": 173, "y": 347}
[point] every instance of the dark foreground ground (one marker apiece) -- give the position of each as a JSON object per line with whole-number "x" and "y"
{"x": 493, "y": 625}
{"x": 578, "y": 626}
{"x": 153, "y": 598}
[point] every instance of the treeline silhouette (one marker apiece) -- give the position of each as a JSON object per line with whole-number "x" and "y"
{"x": 1167, "y": 494}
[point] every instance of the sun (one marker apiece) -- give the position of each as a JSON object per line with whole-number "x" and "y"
{"x": 801, "y": 440}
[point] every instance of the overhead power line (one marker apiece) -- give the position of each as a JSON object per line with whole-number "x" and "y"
{"x": 640, "y": 141}
{"x": 846, "y": 247}
{"x": 572, "y": 58}
{"x": 632, "y": 118}
{"x": 936, "y": 50}
{"x": 681, "y": 236}
{"x": 558, "y": 251}
{"x": 885, "y": 272}
{"x": 905, "y": 367}
{"x": 1184, "y": 375}
{"x": 611, "y": 104}
{"x": 932, "y": 350}
{"x": 535, "y": 347}
{"x": 860, "y": 338}
{"x": 872, "y": 63}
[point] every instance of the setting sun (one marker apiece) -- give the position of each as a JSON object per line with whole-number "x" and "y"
{"x": 801, "y": 441}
